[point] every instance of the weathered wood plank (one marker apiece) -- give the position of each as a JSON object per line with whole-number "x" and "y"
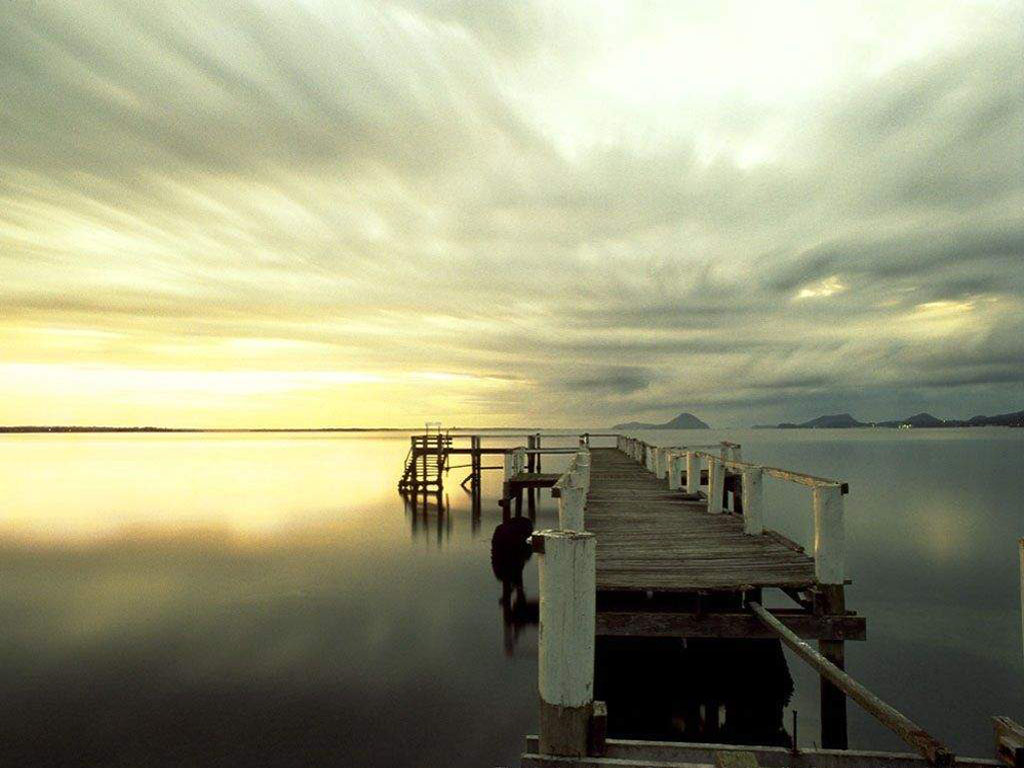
{"x": 623, "y": 753}
{"x": 677, "y": 624}
{"x": 912, "y": 734}
{"x": 1009, "y": 741}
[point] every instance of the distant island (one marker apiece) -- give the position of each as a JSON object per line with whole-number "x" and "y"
{"x": 917, "y": 421}
{"x": 682, "y": 421}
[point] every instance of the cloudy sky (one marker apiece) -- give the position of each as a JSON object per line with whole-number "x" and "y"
{"x": 338, "y": 213}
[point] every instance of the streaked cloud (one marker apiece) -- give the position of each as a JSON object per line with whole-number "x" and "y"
{"x": 558, "y": 212}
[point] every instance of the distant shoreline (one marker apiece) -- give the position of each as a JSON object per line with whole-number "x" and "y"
{"x": 35, "y": 430}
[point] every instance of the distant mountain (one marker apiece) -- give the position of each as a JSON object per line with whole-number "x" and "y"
{"x": 1015, "y": 419}
{"x": 917, "y": 421}
{"x": 923, "y": 420}
{"x": 682, "y": 421}
{"x": 836, "y": 421}
{"x": 920, "y": 420}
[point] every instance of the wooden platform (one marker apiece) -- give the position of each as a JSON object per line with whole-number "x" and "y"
{"x": 650, "y": 538}
{"x": 534, "y": 479}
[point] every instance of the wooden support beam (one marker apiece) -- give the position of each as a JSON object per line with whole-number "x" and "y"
{"x": 912, "y": 734}
{"x": 735, "y": 759}
{"x": 630, "y": 753}
{"x": 1009, "y": 741}
{"x": 628, "y": 623}
{"x": 598, "y": 737}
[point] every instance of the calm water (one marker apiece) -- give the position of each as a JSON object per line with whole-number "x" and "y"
{"x": 266, "y": 600}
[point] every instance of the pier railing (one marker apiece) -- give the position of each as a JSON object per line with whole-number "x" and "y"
{"x": 829, "y": 538}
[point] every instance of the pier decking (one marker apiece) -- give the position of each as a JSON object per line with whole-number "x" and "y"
{"x": 653, "y": 538}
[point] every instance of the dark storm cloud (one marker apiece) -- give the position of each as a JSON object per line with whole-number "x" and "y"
{"x": 613, "y": 381}
{"x": 488, "y": 190}
{"x": 998, "y": 248}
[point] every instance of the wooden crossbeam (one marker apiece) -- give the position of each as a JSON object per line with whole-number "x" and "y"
{"x": 687, "y": 624}
{"x": 912, "y": 734}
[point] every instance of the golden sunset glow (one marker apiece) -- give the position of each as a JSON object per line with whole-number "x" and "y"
{"x": 360, "y": 213}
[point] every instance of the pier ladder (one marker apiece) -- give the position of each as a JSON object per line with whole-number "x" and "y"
{"x": 427, "y": 460}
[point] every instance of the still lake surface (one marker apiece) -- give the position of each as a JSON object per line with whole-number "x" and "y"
{"x": 271, "y": 600}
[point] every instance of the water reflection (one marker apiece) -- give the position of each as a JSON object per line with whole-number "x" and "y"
{"x": 700, "y": 690}
{"x": 509, "y": 554}
{"x": 429, "y": 515}
{"x": 235, "y": 600}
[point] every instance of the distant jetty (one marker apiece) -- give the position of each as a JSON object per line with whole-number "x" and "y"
{"x": 682, "y": 421}
{"x": 917, "y": 421}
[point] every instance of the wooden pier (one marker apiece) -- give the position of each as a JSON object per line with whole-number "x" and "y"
{"x": 675, "y": 542}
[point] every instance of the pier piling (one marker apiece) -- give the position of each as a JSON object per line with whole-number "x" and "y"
{"x": 565, "y": 664}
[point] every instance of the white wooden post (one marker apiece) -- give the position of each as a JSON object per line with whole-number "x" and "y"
{"x": 675, "y": 472}
{"x": 829, "y": 534}
{"x": 753, "y": 501}
{"x": 648, "y": 458}
{"x": 716, "y": 484}
{"x": 692, "y": 472}
{"x": 583, "y": 468}
{"x": 572, "y": 499}
{"x": 518, "y": 460}
{"x": 565, "y": 663}
{"x": 509, "y": 464}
